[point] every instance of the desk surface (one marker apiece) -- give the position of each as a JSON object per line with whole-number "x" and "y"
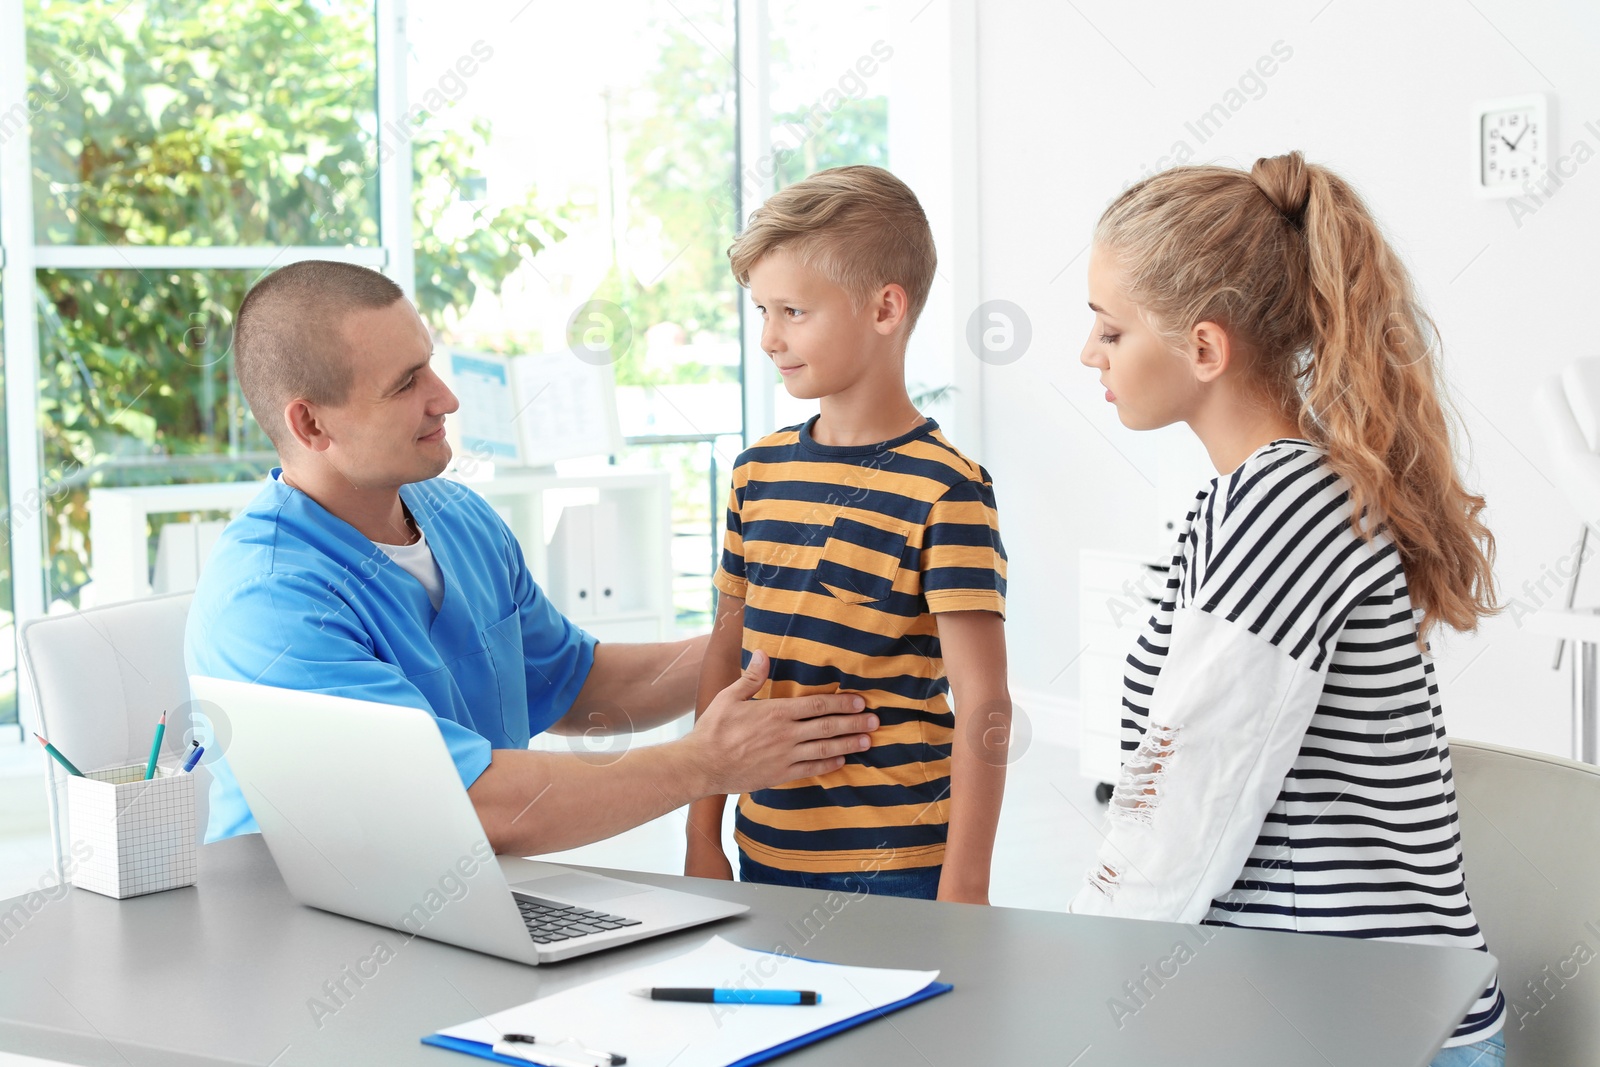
{"x": 229, "y": 971}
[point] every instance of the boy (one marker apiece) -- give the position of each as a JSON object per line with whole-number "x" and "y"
{"x": 862, "y": 555}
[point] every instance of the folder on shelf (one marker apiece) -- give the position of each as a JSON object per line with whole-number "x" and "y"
{"x": 177, "y": 559}
{"x": 182, "y": 549}
{"x": 604, "y": 1014}
{"x": 488, "y": 414}
{"x": 531, "y": 410}
{"x": 572, "y": 563}
{"x": 606, "y": 552}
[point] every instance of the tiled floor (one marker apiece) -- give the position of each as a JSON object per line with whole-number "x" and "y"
{"x": 1049, "y": 829}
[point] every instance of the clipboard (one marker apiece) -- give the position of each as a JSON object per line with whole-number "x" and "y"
{"x": 933, "y": 988}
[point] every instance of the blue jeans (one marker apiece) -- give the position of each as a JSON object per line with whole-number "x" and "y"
{"x": 919, "y": 883}
{"x": 1490, "y": 1052}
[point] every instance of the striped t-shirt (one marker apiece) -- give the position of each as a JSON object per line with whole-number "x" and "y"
{"x": 842, "y": 556}
{"x": 1285, "y": 761}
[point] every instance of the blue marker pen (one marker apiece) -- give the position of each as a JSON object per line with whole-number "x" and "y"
{"x": 194, "y": 756}
{"x": 732, "y": 996}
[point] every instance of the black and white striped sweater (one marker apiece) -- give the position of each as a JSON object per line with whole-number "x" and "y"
{"x": 1285, "y": 762}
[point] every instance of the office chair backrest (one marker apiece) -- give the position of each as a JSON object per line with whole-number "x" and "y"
{"x": 100, "y": 680}
{"x": 1530, "y": 827}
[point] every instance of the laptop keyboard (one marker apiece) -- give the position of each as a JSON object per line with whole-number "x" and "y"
{"x": 549, "y": 922}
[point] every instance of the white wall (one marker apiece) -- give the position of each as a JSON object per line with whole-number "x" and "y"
{"x": 1077, "y": 100}
{"x": 931, "y": 123}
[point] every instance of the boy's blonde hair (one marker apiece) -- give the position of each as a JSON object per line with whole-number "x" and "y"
{"x": 860, "y": 227}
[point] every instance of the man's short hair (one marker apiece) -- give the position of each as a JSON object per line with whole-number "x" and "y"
{"x": 860, "y": 227}
{"x": 288, "y": 340}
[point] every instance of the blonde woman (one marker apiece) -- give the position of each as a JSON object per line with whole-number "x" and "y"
{"x": 1285, "y": 763}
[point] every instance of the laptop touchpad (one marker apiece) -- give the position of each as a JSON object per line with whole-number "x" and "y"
{"x": 583, "y": 888}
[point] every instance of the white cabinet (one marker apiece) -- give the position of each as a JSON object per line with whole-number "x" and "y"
{"x": 613, "y": 573}
{"x": 600, "y": 545}
{"x": 1118, "y": 593}
{"x": 631, "y": 557}
{"x": 119, "y": 537}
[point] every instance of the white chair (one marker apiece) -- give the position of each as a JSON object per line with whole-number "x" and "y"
{"x": 100, "y": 680}
{"x": 1529, "y": 823}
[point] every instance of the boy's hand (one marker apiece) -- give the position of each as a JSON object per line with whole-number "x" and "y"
{"x": 706, "y": 860}
{"x": 952, "y": 891}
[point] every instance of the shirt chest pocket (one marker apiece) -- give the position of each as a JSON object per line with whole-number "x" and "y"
{"x": 503, "y": 642}
{"x": 860, "y": 560}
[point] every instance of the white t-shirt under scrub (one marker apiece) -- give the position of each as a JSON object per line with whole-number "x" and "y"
{"x": 417, "y": 560}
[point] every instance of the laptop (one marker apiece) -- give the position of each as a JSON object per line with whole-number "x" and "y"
{"x": 365, "y": 816}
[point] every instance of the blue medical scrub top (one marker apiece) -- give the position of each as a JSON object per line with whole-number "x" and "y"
{"x": 296, "y": 598}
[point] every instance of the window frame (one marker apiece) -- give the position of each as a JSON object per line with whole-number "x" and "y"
{"x": 21, "y": 257}
{"x": 934, "y": 149}
{"x": 942, "y": 31}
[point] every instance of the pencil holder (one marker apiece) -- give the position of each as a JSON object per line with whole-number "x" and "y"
{"x": 141, "y": 834}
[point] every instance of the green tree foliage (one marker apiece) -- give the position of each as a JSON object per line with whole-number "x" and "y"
{"x": 679, "y": 154}
{"x": 222, "y": 122}
{"x": 679, "y": 132}
{"x": 458, "y": 251}
{"x": 856, "y": 133}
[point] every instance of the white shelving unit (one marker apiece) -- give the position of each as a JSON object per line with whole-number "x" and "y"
{"x": 119, "y": 531}
{"x": 530, "y": 502}
{"x": 1119, "y": 592}
{"x": 639, "y": 570}
{"x": 633, "y": 557}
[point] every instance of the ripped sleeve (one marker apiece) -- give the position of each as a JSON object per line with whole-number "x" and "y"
{"x": 1227, "y": 718}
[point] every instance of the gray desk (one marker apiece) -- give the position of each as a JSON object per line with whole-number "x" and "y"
{"x": 227, "y": 971}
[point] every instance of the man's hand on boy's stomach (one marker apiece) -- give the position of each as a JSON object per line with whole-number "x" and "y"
{"x": 741, "y": 744}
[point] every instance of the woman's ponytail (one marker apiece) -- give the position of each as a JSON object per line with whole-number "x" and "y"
{"x": 1289, "y": 256}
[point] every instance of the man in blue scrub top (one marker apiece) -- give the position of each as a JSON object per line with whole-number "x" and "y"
{"x": 358, "y": 572}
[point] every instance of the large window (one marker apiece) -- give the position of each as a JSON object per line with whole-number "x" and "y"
{"x": 828, "y": 102}
{"x": 136, "y": 388}
{"x": 168, "y": 123}
{"x": 639, "y": 161}
{"x": 166, "y": 137}
{"x": 628, "y": 148}
{"x": 178, "y": 151}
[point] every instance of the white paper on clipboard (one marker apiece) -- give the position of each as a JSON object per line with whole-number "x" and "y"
{"x": 482, "y": 383}
{"x": 566, "y": 408}
{"x": 604, "y": 1014}
{"x": 532, "y": 410}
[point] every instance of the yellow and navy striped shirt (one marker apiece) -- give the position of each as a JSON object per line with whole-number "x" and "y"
{"x": 843, "y": 555}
